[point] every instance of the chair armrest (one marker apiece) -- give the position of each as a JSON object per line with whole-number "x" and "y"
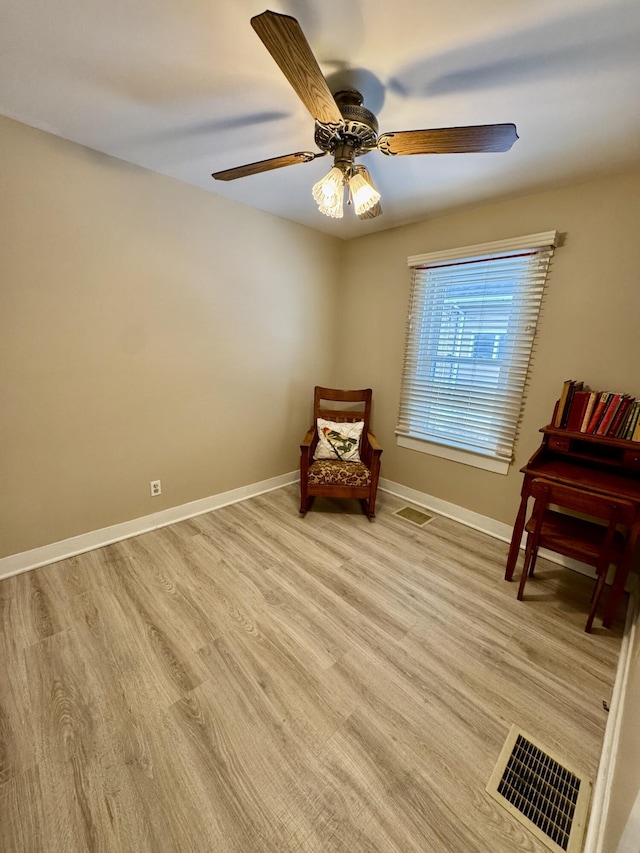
{"x": 373, "y": 442}
{"x": 308, "y": 448}
{"x": 371, "y": 451}
{"x": 308, "y": 438}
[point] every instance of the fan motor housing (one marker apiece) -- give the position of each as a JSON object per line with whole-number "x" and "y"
{"x": 358, "y": 130}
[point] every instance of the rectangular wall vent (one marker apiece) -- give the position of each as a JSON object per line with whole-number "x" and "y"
{"x": 541, "y": 792}
{"x": 415, "y": 516}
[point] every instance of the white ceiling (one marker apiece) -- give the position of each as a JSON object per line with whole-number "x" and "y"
{"x": 185, "y": 88}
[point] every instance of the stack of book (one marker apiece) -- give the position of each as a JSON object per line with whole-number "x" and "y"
{"x": 597, "y": 412}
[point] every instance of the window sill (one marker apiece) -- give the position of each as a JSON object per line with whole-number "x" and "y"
{"x": 454, "y": 454}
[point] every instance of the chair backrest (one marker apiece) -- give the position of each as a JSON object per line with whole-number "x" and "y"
{"x": 353, "y": 405}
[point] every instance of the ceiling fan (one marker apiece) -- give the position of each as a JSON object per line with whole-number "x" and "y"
{"x": 346, "y": 129}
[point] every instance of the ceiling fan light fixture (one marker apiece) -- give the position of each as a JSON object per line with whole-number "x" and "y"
{"x": 363, "y": 192}
{"x": 346, "y": 129}
{"x": 329, "y": 193}
{"x": 336, "y": 210}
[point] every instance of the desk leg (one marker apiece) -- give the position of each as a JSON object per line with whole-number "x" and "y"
{"x": 518, "y": 527}
{"x": 621, "y": 575}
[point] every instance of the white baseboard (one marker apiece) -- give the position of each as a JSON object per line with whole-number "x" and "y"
{"x": 601, "y": 799}
{"x": 56, "y": 551}
{"x": 497, "y": 529}
{"x": 494, "y": 528}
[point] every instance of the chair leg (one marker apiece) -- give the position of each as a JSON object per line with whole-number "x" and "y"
{"x": 530, "y": 555}
{"x": 373, "y": 491}
{"x": 597, "y": 592}
{"x": 303, "y": 494}
{"x": 366, "y": 506}
{"x": 305, "y": 503}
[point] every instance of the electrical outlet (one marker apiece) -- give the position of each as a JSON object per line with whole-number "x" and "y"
{"x": 156, "y": 488}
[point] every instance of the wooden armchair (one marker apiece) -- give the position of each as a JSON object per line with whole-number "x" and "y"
{"x": 336, "y": 478}
{"x": 596, "y": 544}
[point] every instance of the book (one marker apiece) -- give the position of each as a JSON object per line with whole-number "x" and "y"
{"x": 608, "y": 414}
{"x": 602, "y": 413}
{"x": 562, "y": 402}
{"x": 632, "y": 421}
{"x": 573, "y": 388}
{"x": 593, "y": 397}
{"x": 622, "y": 429}
{"x": 620, "y": 415}
{"x": 577, "y": 410}
{"x": 598, "y": 411}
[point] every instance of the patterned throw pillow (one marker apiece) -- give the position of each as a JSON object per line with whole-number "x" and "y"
{"x": 339, "y": 440}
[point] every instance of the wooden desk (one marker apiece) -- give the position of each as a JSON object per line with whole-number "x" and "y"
{"x": 609, "y": 466}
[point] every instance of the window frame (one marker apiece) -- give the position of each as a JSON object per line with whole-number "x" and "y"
{"x": 445, "y": 446}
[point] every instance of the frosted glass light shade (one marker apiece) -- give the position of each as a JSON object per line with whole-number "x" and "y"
{"x": 363, "y": 193}
{"x": 329, "y": 193}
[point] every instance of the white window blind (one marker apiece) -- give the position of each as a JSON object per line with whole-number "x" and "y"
{"x": 472, "y": 320}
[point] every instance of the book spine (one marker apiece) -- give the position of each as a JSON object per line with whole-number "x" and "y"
{"x": 622, "y": 426}
{"x": 573, "y": 388}
{"x": 588, "y": 412}
{"x": 562, "y": 403}
{"x": 598, "y": 412}
{"x": 626, "y": 430}
{"x": 608, "y": 414}
{"x": 576, "y": 413}
{"x": 633, "y": 421}
{"x": 623, "y": 408}
{"x": 622, "y": 429}
{"x": 636, "y": 432}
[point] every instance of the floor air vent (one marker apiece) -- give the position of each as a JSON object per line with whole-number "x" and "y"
{"x": 415, "y": 516}
{"x": 541, "y": 792}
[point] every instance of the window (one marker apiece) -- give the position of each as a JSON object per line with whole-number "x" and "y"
{"x": 472, "y": 320}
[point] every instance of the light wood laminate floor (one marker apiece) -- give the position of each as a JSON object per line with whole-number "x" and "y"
{"x": 252, "y": 681}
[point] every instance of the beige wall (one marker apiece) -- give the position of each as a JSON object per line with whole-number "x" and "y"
{"x": 148, "y": 330}
{"x": 588, "y": 329}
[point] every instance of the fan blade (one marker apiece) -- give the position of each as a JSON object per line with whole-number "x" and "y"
{"x": 285, "y": 41}
{"x": 374, "y": 211}
{"x": 267, "y": 165}
{"x": 449, "y": 140}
